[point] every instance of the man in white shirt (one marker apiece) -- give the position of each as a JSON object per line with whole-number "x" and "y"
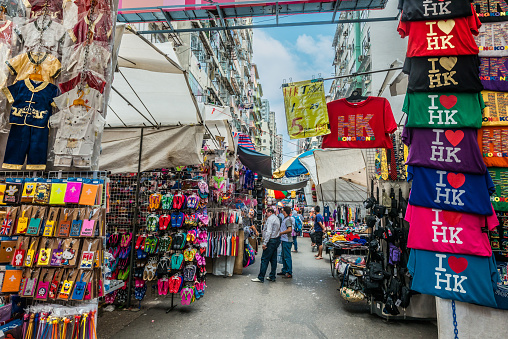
{"x": 271, "y": 241}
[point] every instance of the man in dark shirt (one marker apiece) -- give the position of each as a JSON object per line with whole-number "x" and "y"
{"x": 318, "y": 229}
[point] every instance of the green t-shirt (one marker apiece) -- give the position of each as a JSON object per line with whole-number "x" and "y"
{"x": 499, "y": 199}
{"x": 443, "y": 110}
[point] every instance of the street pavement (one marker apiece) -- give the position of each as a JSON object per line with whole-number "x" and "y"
{"x": 307, "y": 306}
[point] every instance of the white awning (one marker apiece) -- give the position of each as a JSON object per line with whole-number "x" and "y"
{"x": 150, "y": 88}
{"x": 162, "y": 148}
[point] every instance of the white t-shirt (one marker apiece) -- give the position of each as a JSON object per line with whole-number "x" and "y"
{"x": 77, "y": 130}
{"x": 53, "y": 34}
{"x": 74, "y": 59}
{"x": 92, "y": 98}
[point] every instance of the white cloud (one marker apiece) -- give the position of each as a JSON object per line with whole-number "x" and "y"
{"x": 302, "y": 59}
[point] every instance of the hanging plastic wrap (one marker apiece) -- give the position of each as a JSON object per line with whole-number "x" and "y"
{"x": 68, "y": 44}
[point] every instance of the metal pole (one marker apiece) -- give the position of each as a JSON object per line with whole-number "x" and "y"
{"x": 135, "y": 219}
{"x": 288, "y": 24}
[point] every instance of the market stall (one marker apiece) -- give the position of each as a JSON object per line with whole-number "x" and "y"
{"x": 56, "y": 77}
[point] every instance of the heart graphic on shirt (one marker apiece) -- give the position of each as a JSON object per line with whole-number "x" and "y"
{"x": 454, "y": 137}
{"x": 446, "y": 25}
{"x": 456, "y": 180}
{"x": 448, "y": 62}
{"x": 448, "y": 101}
{"x": 452, "y": 218}
{"x": 458, "y": 265}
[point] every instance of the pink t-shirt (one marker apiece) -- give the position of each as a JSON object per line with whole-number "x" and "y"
{"x": 451, "y": 232}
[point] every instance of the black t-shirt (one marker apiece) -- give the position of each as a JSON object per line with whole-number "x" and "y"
{"x": 443, "y": 74}
{"x": 417, "y": 10}
{"x": 492, "y": 10}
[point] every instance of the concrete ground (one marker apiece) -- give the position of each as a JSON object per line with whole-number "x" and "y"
{"x": 307, "y": 306}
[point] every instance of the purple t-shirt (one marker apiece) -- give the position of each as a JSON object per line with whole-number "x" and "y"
{"x": 494, "y": 73}
{"x": 445, "y": 149}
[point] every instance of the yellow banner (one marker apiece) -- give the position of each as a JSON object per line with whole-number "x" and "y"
{"x": 306, "y": 113}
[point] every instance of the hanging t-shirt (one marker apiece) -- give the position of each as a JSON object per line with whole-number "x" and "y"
{"x": 96, "y": 60}
{"x": 445, "y": 149}
{"x": 365, "y": 124}
{"x": 38, "y": 8}
{"x": 101, "y": 28}
{"x": 90, "y": 78}
{"x": 42, "y": 34}
{"x": 443, "y": 74}
{"x": 417, "y": 10}
{"x": 461, "y": 192}
{"x": 90, "y": 96}
{"x": 31, "y": 102}
{"x": 494, "y": 73}
{"x": 24, "y": 64}
{"x": 450, "y": 232}
{"x": 491, "y": 10}
{"x": 78, "y": 128}
{"x": 496, "y": 108}
{"x": 441, "y": 37}
{"x": 493, "y": 143}
{"x": 493, "y": 39}
{"x": 467, "y": 278}
{"x": 500, "y": 197}
{"x": 444, "y": 110}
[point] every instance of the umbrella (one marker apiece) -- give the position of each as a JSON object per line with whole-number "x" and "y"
{"x": 280, "y": 194}
{"x": 293, "y": 167}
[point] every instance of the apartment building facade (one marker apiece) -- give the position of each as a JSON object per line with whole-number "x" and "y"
{"x": 220, "y": 69}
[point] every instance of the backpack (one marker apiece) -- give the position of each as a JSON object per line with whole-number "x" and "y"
{"x": 298, "y": 224}
{"x": 249, "y": 256}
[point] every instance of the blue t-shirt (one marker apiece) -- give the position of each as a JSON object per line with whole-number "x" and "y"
{"x": 461, "y": 192}
{"x": 31, "y": 102}
{"x": 466, "y": 278}
{"x": 319, "y": 218}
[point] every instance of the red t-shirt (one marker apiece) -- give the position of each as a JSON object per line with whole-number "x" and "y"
{"x": 365, "y": 124}
{"x": 441, "y": 37}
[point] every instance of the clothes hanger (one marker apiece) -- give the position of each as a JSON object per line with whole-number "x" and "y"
{"x": 79, "y": 101}
{"x": 356, "y": 96}
{"x": 36, "y": 76}
{"x": 3, "y": 11}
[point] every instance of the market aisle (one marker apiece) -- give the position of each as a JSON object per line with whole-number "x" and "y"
{"x": 308, "y": 306}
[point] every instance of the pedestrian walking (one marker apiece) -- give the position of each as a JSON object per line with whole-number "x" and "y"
{"x": 286, "y": 242}
{"x": 297, "y": 229}
{"x": 271, "y": 241}
{"x": 318, "y": 232}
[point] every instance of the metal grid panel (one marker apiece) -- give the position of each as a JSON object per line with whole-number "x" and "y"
{"x": 232, "y": 10}
{"x": 122, "y": 190}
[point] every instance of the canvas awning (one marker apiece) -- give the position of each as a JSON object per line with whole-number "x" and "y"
{"x": 255, "y": 161}
{"x": 150, "y": 88}
{"x": 160, "y": 148}
{"x": 325, "y": 165}
{"x": 272, "y": 185}
{"x": 152, "y": 115}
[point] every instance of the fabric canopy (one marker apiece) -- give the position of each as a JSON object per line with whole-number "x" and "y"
{"x": 268, "y": 184}
{"x": 293, "y": 167}
{"x": 162, "y": 148}
{"x": 325, "y": 165}
{"x": 255, "y": 161}
{"x": 245, "y": 142}
{"x": 150, "y": 88}
{"x": 341, "y": 191}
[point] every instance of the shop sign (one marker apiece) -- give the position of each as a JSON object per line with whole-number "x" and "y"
{"x": 306, "y": 112}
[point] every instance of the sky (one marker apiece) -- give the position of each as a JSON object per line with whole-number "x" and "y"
{"x": 292, "y": 54}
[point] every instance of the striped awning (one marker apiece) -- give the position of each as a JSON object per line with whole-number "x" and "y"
{"x": 244, "y": 141}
